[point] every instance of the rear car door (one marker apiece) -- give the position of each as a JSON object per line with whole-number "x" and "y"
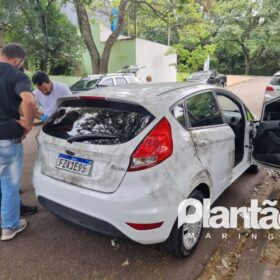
{"x": 266, "y": 143}
{"x": 213, "y": 138}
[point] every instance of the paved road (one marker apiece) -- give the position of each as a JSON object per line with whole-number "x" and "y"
{"x": 252, "y": 93}
{"x": 54, "y": 249}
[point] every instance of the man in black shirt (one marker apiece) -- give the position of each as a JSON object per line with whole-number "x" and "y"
{"x": 17, "y": 111}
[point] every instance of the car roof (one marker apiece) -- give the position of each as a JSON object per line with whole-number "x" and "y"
{"x": 98, "y": 76}
{"x": 156, "y": 97}
{"x": 277, "y": 73}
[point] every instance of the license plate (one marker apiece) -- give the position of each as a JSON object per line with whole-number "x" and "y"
{"x": 74, "y": 164}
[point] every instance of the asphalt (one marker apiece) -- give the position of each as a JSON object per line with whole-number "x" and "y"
{"x": 54, "y": 249}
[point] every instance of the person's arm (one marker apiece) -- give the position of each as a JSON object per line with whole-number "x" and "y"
{"x": 38, "y": 113}
{"x": 28, "y": 105}
{"x": 27, "y": 111}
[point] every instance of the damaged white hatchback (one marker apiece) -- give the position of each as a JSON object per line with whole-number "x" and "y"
{"x": 121, "y": 160}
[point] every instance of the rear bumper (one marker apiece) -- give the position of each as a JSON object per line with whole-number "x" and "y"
{"x": 134, "y": 202}
{"x": 80, "y": 218}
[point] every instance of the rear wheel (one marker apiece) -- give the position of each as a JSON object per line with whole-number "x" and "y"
{"x": 183, "y": 241}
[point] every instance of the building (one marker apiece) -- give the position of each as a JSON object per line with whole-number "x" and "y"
{"x": 135, "y": 51}
{"x": 129, "y": 51}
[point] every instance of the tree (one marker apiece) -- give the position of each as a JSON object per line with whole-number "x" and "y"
{"x": 181, "y": 24}
{"x": 251, "y": 25}
{"x": 99, "y": 61}
{"x": 50, "y": 39}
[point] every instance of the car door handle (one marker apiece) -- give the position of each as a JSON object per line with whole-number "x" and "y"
{"x": 203, "y": 143}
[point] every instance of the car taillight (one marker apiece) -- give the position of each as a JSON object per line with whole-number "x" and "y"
{"x": 145, "y": 226}
{"x": 269, "y": 88}
{"x": 155, "y": 148}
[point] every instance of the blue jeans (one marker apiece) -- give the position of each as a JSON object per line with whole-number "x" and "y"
{"x": 11, "y": 156}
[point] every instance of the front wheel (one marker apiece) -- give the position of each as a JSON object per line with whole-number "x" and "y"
{"x": 183, "y": 241}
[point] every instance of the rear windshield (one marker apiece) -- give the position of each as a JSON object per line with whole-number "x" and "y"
{"x": 200, "y": 76}
{"x": 97, "y": 121}
{"x": 275, "y": 81}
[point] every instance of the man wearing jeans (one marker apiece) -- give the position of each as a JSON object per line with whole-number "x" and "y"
{"x": 17, "y": 111}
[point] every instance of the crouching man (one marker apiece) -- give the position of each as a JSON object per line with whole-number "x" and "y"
{"x": 46, "y": 94}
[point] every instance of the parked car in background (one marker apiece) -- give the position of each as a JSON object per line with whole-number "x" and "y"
{"x": 209, "y": 77}
{"x": 108, "y": 80}
{"x": 132, "y": 69}
{"x": 273, "y": 89}
{"x": 121, "y": 160}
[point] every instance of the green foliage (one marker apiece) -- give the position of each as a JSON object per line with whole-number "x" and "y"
{"x": 46, "y": 33}
{"x": 182, "y": 23}
{"x": 191, "y": 61}
{"x": 251, "y": 27}
{"x": 182, "y": 76}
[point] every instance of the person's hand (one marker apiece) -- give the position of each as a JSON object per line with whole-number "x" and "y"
{"x": 26, "y": 126}
{"x": 44, "y": 118}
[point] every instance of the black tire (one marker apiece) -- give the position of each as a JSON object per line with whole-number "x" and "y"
{"x": 175, "y": 243}
{"x": 254, "y": 169}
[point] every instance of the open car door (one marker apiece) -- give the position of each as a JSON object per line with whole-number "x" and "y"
{"x": 266, "y": 143}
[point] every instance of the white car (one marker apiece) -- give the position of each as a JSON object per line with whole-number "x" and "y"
{"x": 106, "y": 80}
{"x": 120, "y": 160}
{"x": 273, "y": 89}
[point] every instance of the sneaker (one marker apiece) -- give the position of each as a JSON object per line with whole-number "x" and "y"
{"x": 10, "y": 233}
{"x": 28, "y": 210}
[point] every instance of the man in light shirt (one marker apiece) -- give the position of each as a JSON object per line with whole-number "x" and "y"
{"x": 46, "y": 94}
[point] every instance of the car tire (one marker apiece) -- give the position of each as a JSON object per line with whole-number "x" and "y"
{"x": 176, "y": 244}
{"x": 254, "y": 169}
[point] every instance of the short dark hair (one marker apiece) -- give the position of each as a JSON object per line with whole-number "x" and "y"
{"x": 13, "y": 50}
{"x": 40, "y": 77}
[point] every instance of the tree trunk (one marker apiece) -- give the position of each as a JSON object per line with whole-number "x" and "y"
{"x": 246, "y": 54}
{"x": 247, "y": 64}
{"x": 112, "y": 39}
{"x": 44, "y": 20}
{"x": 85, "y": 29}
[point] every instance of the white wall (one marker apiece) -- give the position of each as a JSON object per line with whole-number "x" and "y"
{"x": 152, "y": 55}
{"x": 105, "y": 33}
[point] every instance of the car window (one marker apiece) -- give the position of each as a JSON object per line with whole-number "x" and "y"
{"x": 228, "y": 105}
{"x": 272, "y": 111}
{"x": 84, "y": 85}
{"x": 119, "y": 121}
{"x": 107, "y": 82}
{"x": 178, "y": 112}
{"x": 120, "y": 81}
{"x": 199, "y": 76}
{"x": 131, "y": 80}
{"x": 203, "y": 110}
{"x": 231, "y": 110}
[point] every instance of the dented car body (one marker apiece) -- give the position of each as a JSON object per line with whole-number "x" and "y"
{"x": 120, "y": 160}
